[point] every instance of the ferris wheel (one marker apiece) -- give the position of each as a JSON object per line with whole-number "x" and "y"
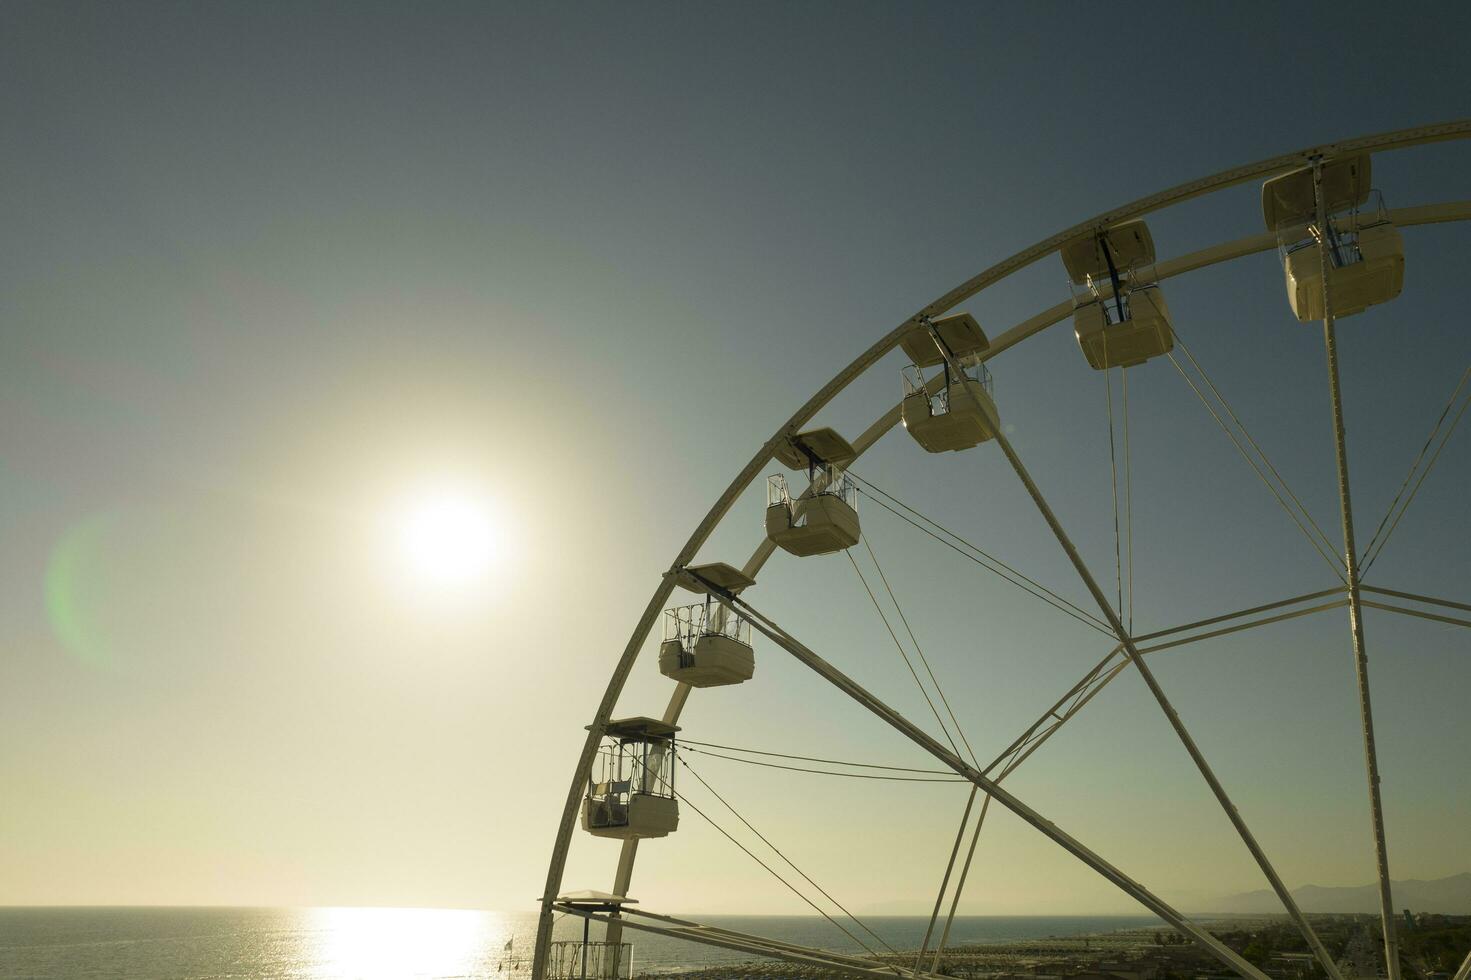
{"x": 1342, "y": 251}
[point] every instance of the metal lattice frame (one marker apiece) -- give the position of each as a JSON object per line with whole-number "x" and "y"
{"x": 1126, "y": 652}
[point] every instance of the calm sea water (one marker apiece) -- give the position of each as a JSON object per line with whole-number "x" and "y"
{"x": 402, "y": 944}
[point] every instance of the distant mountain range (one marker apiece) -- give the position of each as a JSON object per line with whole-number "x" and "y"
{"x": 1448, "y": 896}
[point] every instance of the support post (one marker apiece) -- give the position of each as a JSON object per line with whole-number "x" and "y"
{"x": 1355, "y": 607}
{"x": 960, "y": 886}
{"x": 1112, "y": 616}
{"x": 945, "y": 882}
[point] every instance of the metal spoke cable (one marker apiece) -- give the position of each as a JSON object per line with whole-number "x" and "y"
{"x": 1002, "y": 569}
{"x": 1450, "y": 403}
{"x": 1426, "y": 472}
{"x": 986, "y": 561}
{"x": 829, "y": 772}
{"x": 1334, "y": 563}
{"x": 808, "y": 758}
{"x": 965, "y": 817}
{"x": 751, "y": 854}
{"x": 1205, "y": 376}
{"x": 903, "y": 654}
{"x": 1371, "y": 552}
{"x": 857, "y": 921}
{"x": 950, "y": 866}
{"x": 920, "y": 650}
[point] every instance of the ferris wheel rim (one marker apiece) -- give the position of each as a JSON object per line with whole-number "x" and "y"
{"x": 1227, "y": 251}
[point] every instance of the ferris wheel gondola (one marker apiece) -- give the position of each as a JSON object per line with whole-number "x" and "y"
{"x": 1342, "y": 252}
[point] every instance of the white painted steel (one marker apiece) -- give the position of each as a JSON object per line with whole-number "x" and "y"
{"x": 1399, "y": 139}
{"x": 1138, "y": 892}
{"x": 1351, "y": 564}
{"x": 1176, "y": 722}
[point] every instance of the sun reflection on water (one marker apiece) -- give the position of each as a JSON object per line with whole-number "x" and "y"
{"x": 395, "y": 944}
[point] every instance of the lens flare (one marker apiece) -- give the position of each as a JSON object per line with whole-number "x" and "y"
{"x": 71, "y": 585}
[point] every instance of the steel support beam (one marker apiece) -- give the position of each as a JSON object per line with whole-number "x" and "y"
{"x": 945, "y": 882}
{"x": 1112, "y": 616}
{"x": 1400, "y": 139}
{"x": 960, "y": 885}
{"x": 1351, "y": 560}
{"x": 768, "y": 628}
{"x": 1415, "y": 597}
{"x": 1418, "y": 613}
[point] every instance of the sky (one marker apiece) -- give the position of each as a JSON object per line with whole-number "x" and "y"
{"x": 275, "y": 275}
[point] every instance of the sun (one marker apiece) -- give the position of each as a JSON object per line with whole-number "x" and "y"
{"x": 450, "y": 538}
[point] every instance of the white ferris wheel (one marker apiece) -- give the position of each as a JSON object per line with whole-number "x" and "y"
{"x": 1342, "y": 252}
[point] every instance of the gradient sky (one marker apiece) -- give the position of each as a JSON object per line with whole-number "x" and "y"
{"x": 267, "y": 268}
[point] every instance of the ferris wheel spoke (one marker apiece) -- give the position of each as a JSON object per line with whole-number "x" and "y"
{"x": 1213, "y": 255}
{"x": 1428, "y": 600}
{"x": 847, "y": 685}
{"x": 1418, "y": 613}
{"x": 1320, "y": 215}
{"x": 1171, "y": 715}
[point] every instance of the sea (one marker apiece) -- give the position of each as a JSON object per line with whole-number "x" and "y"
{"x": 410, "y": 944}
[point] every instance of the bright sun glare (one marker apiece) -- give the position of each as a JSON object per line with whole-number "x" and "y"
{"x": 450, "y": 538}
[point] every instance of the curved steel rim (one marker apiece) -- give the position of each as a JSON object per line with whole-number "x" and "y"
{"x": 1397, "y": 139}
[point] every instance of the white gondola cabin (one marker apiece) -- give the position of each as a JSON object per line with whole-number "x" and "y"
{"x": 708, "y": 645}
{"x": 949, "y": 412}
{"x": 631, "y": 790}
{"x": 824, "y": 519}
{"x": 1119, "y": 312}
{"x": 1366, "y": 254}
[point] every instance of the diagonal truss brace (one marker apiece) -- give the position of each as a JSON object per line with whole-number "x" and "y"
{"x": 1129, "y": 647}
{"x": 1113, "y": 664}
{"x": 914, "y": 733}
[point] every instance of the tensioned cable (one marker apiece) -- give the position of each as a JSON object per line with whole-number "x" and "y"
{"x": 1113, "y": 467}
{"x": 986, "y": 561}
{"x": 749, "y": 853}
{"x": 1450, "y": 403}
{"x": 859, "y": 922}
{"x": 1005, "y": 569}
{"x": 919, "y": 650}
{"x": 1245, "y": 432}
{"x": 902, "y": 652}
{"x": 1419, "y": 483}
{"x": 1369, "y": 551}
{"x": 1333, "y": 563}
{"x": 829, "y": 772}
{"x": 808, "y": 758}
{"x": 965, "y": 817}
